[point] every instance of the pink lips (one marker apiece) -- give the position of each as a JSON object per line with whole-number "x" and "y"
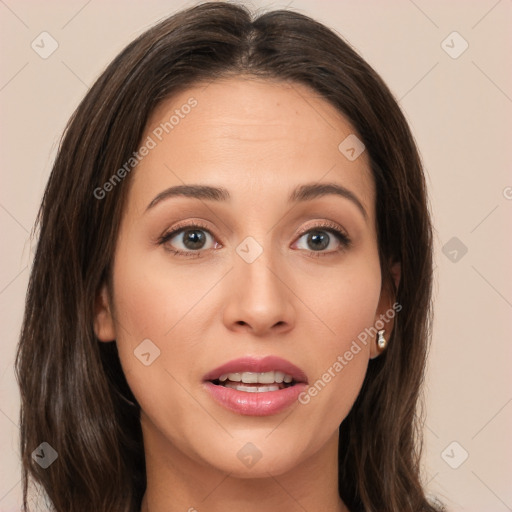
{"x": 256, "y": 404}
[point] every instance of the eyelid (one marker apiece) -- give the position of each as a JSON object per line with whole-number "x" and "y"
{"x": 180, "y": 227}
{"x": 321, "y": 225}
{"x": 187, "y": 224}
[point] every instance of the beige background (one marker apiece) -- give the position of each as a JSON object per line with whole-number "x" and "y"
{"x": 460, "y": 110}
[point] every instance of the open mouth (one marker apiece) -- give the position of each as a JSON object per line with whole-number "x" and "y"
{"x": 256, "y": 386}
{"x": 252, "y": 382}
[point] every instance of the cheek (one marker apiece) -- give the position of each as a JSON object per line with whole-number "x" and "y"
{"x": 344, "y": 299}
{"x": 348, "y": 302}
{"x": 155, "y": 297}
{"x": 151, "y": 307}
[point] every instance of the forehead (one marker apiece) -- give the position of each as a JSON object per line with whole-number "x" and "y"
{"x": 250, "y": 134}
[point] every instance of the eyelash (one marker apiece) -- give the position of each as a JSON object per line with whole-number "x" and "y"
{"x": 342, "y": 237}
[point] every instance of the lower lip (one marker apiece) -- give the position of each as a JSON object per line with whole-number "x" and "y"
{"x": 265, "y": 403}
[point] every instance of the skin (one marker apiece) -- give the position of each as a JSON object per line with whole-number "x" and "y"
{"x": 258, "y": 139}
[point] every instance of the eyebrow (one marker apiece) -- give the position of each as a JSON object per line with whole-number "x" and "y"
{"x": 300, "y": 193}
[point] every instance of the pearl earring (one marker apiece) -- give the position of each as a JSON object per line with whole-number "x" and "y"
{"x": 381, "y": 341}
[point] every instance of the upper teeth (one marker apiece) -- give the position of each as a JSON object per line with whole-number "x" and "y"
{"x": 261, "y": 378}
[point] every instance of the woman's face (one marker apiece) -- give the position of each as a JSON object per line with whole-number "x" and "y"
{"x": 257, "y": 271}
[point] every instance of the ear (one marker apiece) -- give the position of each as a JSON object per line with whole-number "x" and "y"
{"x": 103, "y": 320}
{"x": 387, "y": 308}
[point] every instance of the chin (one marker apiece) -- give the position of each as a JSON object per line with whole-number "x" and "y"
{"x": 262, "y": 468}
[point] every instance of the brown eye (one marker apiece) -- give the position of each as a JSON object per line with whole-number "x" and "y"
{"x": 188, "y": 240}
{"x": 318, "y": 239}
{"x": 193, "y": 239}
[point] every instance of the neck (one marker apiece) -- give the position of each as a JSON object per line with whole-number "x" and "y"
{"x": 178, "y": 483}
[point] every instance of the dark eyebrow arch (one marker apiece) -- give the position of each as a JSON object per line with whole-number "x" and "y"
{"x": 304, "y": 192}
{"x": 313, "y": 190}
{"x": 195, "y": 191}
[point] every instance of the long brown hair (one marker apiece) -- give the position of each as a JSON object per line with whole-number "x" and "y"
{"x": 73, "y": 392}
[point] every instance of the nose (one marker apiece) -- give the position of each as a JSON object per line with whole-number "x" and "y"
{"x": 258, "y": 298}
